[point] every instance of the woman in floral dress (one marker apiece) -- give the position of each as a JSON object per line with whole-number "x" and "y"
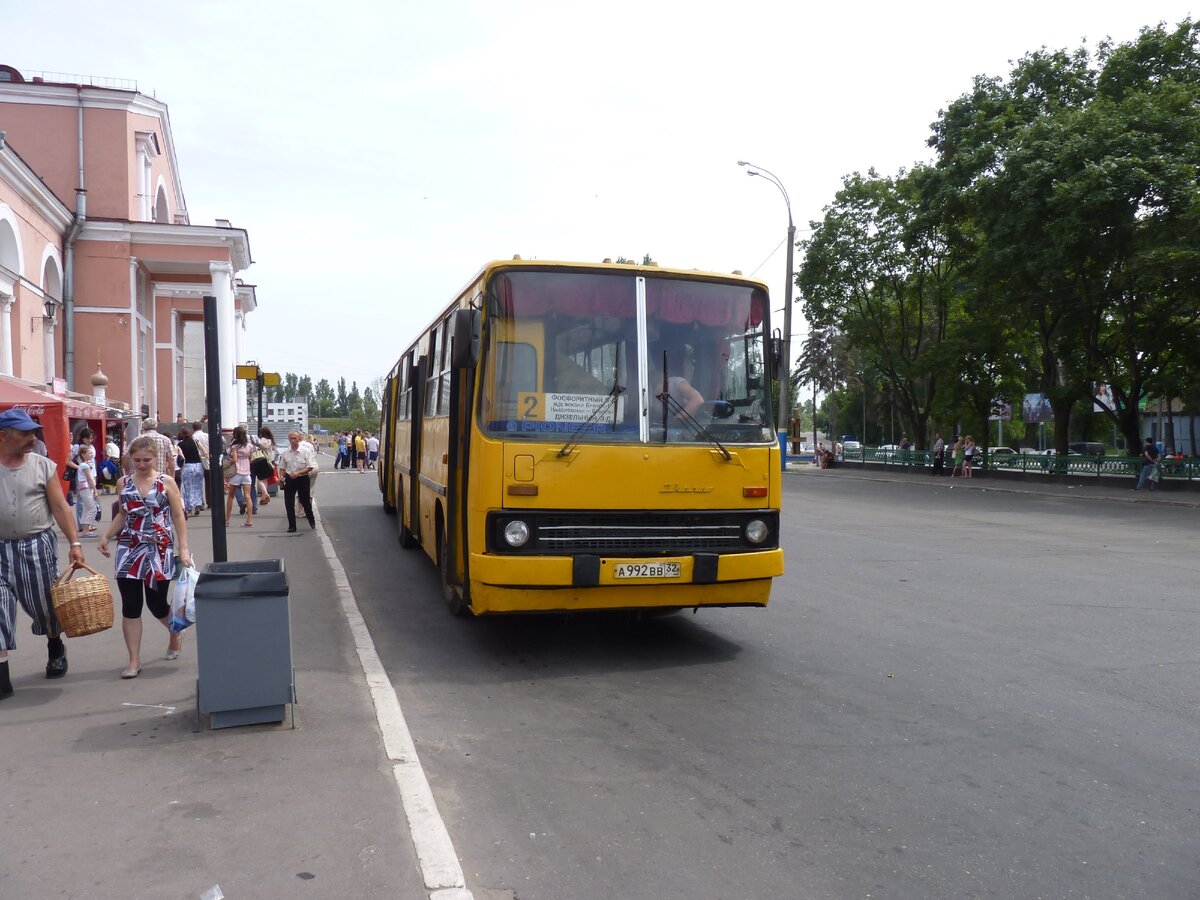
{"x": 151, "y": 531}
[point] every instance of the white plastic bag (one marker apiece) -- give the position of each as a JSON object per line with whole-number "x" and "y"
{"x": 183, "y": 599}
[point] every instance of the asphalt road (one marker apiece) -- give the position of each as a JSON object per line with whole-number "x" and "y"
{"x": 954, "y": 693}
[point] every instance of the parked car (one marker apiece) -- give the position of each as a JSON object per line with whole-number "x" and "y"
{"x": 993, "y": 451}
{"x": 1088, "y": 448}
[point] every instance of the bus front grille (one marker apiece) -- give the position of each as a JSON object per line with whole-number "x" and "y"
{"x": 633, "y": 533}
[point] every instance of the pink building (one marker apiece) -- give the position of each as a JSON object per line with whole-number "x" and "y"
{"x": 99, "y": 263}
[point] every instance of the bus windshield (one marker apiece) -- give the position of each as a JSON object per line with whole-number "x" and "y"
{"x": 600, "y": 357}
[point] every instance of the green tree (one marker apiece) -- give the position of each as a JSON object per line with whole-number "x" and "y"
{"x": 1080, "y": 179}
{"x": 304, "y": 387}
{"x": 342, "y": 407}
{"x": 322, "y": 403}
{"x": 369, "y": 404}
{"x": 354, "y": 399}
{"x": 881, "y": 271}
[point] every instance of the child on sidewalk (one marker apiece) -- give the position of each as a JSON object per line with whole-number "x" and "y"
{"x": 85, "y": 489}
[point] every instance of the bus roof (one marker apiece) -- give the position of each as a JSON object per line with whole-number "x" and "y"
{"x": 532, "y": 264}
{"x": 527, "y": 265}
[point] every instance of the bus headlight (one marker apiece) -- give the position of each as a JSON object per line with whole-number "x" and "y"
{"x": 516, "y": 533}
{"x": 757, "y": 531}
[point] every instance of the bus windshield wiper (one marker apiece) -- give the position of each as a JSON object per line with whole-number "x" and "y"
{"x": 683, "y": 415}
{"x": 612, "y": 397}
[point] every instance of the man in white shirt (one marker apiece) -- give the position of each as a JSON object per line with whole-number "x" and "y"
{"x": 372, "y": 450}
{"x": 297, "y": 464}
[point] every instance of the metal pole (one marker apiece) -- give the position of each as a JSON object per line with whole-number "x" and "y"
{"x": 785, "y": 387}
{"x": 815, "y": 458}
{"x": 864, "y": 431}
{"x": 212, "y": 372}
{"x": 260, "y": 400}
{"x": 786, "y": 382}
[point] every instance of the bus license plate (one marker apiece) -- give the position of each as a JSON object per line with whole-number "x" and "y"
{"x": 647, "y": 570}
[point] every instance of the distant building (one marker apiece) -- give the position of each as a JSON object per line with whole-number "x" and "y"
{"x": 292, "y": 413}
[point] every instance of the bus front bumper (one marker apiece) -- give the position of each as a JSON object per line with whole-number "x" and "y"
{"x": 511, "y": 583}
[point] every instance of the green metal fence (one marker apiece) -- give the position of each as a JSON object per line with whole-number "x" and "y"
{"x": 1034, "y": 463}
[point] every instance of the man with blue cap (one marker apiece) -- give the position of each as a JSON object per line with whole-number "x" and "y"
{"x": 31, "y": 501}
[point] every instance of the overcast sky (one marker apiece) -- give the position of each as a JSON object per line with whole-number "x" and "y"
{"x": 380, "y": 152}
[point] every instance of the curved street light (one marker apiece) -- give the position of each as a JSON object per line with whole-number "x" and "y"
{"x": 785, "y": 383}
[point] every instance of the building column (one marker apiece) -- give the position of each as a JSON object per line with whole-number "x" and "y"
{"x": 239, "y": 334}
{"x": 6, "y": 357}
{"x": 222, "y": 282}
{"x": 137, "y": 388}
{"x": 48, "y": 347}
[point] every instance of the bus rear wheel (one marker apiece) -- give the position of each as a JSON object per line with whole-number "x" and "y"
{"x": 451, "y": 592}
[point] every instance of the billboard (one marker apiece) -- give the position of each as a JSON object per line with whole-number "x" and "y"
{"x": 1036, "y": 408}
{"x": 1001, "y": 411}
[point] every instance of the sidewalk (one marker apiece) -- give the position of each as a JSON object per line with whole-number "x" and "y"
{"x": 109, "y": 793}
{"x": 1114, "y": 490}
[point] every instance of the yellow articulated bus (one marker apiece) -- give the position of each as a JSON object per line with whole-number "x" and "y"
{"x": 569, "y": 436}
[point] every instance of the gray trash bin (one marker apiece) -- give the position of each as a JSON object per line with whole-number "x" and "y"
{"x": 243, "y": 643}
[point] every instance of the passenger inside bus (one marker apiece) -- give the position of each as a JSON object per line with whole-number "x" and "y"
{"x": 684, "y": 399}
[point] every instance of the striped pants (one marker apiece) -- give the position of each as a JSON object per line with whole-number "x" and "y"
{"x": 28, "y": 566}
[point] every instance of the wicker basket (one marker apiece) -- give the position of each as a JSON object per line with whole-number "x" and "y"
{"x": 83, "y": 606}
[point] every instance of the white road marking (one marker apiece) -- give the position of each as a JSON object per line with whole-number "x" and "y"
{"x": 440, "y": 868}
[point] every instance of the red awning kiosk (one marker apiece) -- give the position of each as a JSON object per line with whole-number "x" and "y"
{"x": 57, "y": 415}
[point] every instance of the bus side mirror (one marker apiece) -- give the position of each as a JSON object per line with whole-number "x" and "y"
{"x": 776, "y": 355}
{"x": 465, "y": 337}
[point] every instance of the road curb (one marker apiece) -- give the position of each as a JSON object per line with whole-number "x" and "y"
{"x": 440, "y": 868}
{"x": 1109, "y": 495}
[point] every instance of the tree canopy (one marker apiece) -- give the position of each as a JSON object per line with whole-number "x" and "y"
{"x": 1052, "y": 243}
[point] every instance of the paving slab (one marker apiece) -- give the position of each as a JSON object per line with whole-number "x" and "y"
{"x": 110, "y": 791}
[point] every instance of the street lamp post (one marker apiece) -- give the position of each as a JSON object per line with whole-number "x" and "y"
{"x": 786, "y": 381}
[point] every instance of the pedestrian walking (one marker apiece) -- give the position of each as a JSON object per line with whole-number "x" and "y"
{"x": 372, "y": 450}
{"x": 164, "y": 450}
{"x": 968, "y": 456}
{"x": 939, "y": 454}
{"x": 240, "y": 450}
{"x": 959, "y": 454}
{"x": 266, "y": 443}
{"x": 200, "y": 436}
{"x": 298, "y": 464}
{"x": 360, "y": 451}
{"x": 192, "y": 485}
{"x": 151, "y": 531}
{"x": 31, "y": 502}
{"x": 342, "y": 460}
{"x": 1149, "y": 466}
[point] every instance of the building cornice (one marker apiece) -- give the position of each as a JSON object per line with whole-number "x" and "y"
{"x": 247, "y": 297}
{"x": 236, "y": 240}
{"x": 32, "y": 190}
{"x": 35, "y": 94}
